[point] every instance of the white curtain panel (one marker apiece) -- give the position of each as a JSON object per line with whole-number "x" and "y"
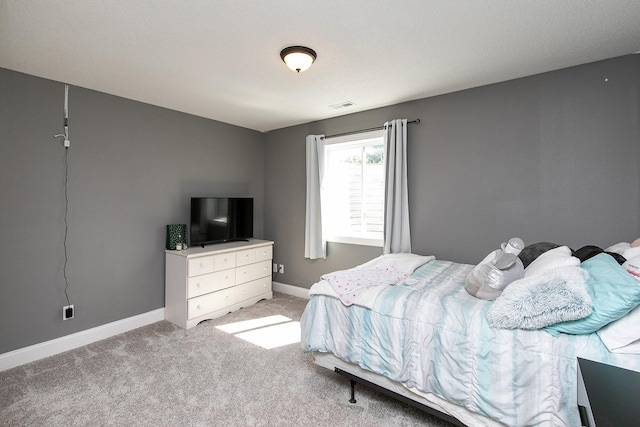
{"x": 315, "y": 245}
{"x": 397, "y": 234}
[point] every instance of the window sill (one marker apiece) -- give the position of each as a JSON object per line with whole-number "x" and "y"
{"x": 356, "y": 241}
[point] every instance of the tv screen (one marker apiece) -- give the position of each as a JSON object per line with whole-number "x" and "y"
{"x": 220, "y": 219}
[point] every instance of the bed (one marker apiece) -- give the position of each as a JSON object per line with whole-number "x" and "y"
{"x": 425, "y": 338}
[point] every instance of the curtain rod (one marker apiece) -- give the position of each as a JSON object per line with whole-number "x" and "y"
{"x": 353, "y": 132}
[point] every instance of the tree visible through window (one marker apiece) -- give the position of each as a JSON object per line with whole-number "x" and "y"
{"x": 353, "y": 189}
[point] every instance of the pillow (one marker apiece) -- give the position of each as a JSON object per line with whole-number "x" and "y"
{"x": 625, "y": 249}
{"x": 621, "y": 333}
{"x": 613, "y": 291}
{"x": 586, "y": 252}
{"x": 633, "y": 268}
{"x": 533, "y": 251}
{"x": 544, "y": 299}
{"x": 553, "y": 258}
{"x": 633, "y": 348}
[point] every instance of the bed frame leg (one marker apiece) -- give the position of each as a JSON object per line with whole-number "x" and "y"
{"x": 353, "y": 392}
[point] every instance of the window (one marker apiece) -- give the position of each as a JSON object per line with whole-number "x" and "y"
{"x": 353, "y": 189}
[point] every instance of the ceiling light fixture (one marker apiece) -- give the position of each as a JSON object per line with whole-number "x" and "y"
{"x": 298, "y": 58}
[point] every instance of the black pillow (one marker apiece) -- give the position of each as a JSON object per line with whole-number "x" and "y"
{"x": 533, "y": 251}
{"x": 619, "y": 258}
{"x": 586, "y": 252}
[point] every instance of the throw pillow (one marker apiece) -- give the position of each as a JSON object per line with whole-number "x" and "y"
{"x": 621, "y": 333}
{"x": 633, "y": 267}
{"x": 553, "y": 258}
{"x": 613, "y": 291}
{"x": 541, "y": 300}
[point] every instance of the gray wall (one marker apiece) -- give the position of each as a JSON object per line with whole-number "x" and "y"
{"x": 552, "y": 157}
{"x": 132, "y": 169}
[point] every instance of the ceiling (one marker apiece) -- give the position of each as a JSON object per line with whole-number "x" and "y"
{"x": 220, "y": 59}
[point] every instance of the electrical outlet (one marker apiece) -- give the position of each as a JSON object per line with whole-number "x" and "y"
{"x": 275, "y": 267}
{"x": 68, "y": 312}
{"x": 281, "y": 269}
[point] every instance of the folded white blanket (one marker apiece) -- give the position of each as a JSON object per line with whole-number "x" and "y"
{"x": 348, "y": 284}
{"x": 405, "y": 263}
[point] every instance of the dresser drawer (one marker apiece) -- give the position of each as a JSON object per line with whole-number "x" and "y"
{"x": 253, "y": 289}
{"x": 248, "y": 256}
{"x": 203, "y": 284}
{"x": 214, "y": 301}
{"x": 224, "y": 261}
{"x": 250, "y": 272}
{"x": 265, "y": 253}
{"x": 200, "y": 265}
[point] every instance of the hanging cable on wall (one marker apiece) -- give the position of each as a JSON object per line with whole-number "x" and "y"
{"x": 67, "y": 312}
{"x": 65, "y": 135}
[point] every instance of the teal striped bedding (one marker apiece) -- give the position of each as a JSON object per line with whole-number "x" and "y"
{"x": 431, "y": 335}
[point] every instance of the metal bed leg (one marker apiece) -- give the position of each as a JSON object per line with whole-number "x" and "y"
{"x": 354, "y": 378}
{"x": 353, "y": 392}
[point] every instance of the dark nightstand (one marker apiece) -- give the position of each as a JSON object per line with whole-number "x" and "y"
{"x": 612, "y": 395}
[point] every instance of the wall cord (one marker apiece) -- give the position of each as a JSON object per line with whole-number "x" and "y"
{"x": 67, "y": 144}
{"x": 66, "y": 223}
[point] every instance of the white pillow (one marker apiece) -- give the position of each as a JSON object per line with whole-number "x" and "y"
{"x": 622, "y": 335}
{"x": 553, "y": 258}
{"x": 633, "y": 267}
{"x": 618, "y": 247}
{"x": 625, "y": 250}
{"x": 633, "y": 348}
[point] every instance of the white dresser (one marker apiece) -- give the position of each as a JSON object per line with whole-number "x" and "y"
{"x": 206, "y": 283}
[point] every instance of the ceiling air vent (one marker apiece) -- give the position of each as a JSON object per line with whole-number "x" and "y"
{"x": 342, "y": 105}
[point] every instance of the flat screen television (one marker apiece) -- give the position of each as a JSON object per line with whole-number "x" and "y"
{"x": 220, "y": 219}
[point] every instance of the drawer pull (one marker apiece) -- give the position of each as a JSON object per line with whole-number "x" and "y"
{"x": 198, "y": 285}
{"x": 198, "y": 307}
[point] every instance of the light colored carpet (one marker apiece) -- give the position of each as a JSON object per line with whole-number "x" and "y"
{"x": 160, "y": 375}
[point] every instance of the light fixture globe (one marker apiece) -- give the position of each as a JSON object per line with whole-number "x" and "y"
{"x": 298, "y": 58}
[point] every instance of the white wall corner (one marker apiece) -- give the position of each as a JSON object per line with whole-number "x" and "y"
{"x": 35, "y": 352}
{"x": 295, "y": 291}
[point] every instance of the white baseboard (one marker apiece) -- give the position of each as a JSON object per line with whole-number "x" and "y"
{"x": 69, "y": 342}
{"x": 296, "y": 291}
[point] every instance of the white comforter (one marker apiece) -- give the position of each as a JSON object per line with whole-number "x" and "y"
{"x": 433, "y": 337}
